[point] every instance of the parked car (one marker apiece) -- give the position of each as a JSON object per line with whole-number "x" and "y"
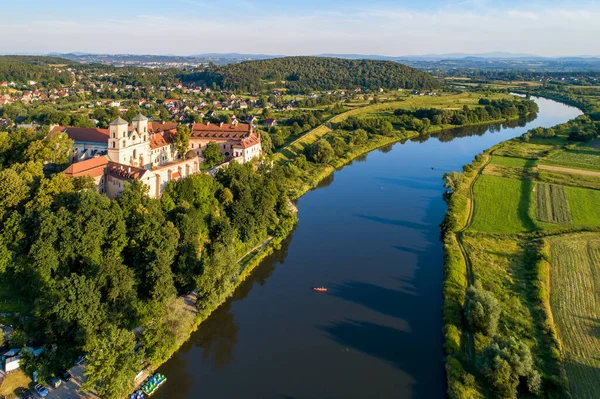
{"x": 55, "y": 382}
{"x": 65, "y": 375}
{"x": 26, "y": 394}
{"x": 41, "y": 390}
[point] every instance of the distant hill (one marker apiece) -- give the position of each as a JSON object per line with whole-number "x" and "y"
{"x": 315, "y": 73}
{"x": 21, "y": 69}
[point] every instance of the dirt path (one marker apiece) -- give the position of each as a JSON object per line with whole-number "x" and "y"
{"x": 569, "y": 170}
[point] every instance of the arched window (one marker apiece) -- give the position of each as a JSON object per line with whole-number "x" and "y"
{"x": 113, "y": 144}
{"x": 112, "y": 135}
{"x": 145, "y": 129}
{"x": 124, "y": 144}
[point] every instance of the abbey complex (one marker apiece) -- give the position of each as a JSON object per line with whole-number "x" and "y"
{"x": 145, "y": 151}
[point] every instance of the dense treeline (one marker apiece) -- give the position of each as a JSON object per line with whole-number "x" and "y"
{"x": 315, "y": 73}
{"x": 22, "y": 69}
{"x": 582, "y": 129}
{"x": 91, "y": 269}
{"x": 421, "y": 119}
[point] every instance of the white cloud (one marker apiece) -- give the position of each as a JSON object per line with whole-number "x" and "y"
{"x": 394, "y": 31}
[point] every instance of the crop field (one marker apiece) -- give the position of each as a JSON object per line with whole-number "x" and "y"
{"x": 501, "y": 205}
{"x": 585, "y": 158}
{"x": 575, "y": 302}
{"x": 584, "y": 205}
{"x": 512, "y": 162}
{"x": 552, "y": 204}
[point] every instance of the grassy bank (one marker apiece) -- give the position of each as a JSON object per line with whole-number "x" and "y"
{"x": 516, "y": 229}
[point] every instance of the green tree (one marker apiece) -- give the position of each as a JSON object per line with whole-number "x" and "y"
{"x": 360, "y": 136}
{"x": 18, "y": 339}
{"x": 387, "y": 128}
{"x": 112, "y": 363}
{"x": 181, "y": 140}
{"x": 322, "y": 152}
{"x": 507, "y": 363}
{"x": 212, "y": 155}
{"x": 482, "y": 310}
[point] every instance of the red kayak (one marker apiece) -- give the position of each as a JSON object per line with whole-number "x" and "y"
{"x": 320, "y": 289}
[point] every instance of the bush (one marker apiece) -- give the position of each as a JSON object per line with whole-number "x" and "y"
{"x": 482, "y": 310}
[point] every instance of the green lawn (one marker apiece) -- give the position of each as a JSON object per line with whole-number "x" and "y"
{"x": 584, "y": 205}
{"x": 501, "y": 205}
{"x": 513, "y": 162}
{"x": 585, "y": 158}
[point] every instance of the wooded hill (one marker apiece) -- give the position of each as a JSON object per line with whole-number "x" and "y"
{"x": 21, "y": 69}
{"x": 315, "y": 73}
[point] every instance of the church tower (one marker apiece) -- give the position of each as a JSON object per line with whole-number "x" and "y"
{"x": 118, "y": 138}
{"x": 140, "y": 124}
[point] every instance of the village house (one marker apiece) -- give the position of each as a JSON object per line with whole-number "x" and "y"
{"x": 144, "y": 151}
{"x": 270, "y": 122}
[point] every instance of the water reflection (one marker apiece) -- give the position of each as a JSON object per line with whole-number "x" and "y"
{"x": 479, "y": 130}
{"x": 372, "y": 238}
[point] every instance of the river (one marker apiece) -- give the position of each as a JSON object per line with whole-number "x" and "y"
{"x": 370, "y": 233}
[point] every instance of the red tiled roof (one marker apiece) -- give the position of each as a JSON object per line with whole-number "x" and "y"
{"x": 161, "y": 139}
{"x": 90, "y": 167}
{"x": 156, "y": 127}
{"x": 175, "y": 175}
{"x": 239, "y": 130}
{"x": 125, "y": 172}
{"x": 90, "y": 135}
{"x": 249, "y": 142}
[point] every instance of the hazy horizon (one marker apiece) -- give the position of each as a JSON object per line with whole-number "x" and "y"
{"x": 382, "y": 27}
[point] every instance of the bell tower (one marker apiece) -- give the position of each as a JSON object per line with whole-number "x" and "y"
{"x": 140, "y": 124}
{"x": 118, "y": 138}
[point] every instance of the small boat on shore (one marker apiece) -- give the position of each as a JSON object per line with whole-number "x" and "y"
{"x": 320, "y": 289}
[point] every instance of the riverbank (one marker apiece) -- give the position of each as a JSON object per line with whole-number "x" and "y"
{"x": 506, "y": 227}
{"x": 304, "y": 182}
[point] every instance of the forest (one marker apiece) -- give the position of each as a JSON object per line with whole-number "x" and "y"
{"x": 86, "y": 271}
{"x": 302, "y": 74}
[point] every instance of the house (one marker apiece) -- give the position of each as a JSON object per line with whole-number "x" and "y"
{"x": 270, "y": 122}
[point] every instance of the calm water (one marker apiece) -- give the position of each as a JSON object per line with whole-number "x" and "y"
{"x": 371, "y": 234}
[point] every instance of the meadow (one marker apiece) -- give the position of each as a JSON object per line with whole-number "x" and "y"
{"x": 585, "y": 158}
{"x": 507, "y": 216}
{"x": 512, "y": 162}
{"x": 585, "y": 205}
{"x": 575, "y": 301}
{"x": 552, "y": 205}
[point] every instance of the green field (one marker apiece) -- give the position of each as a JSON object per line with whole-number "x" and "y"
{"x": 512, "y": 162}
{"x": 501, "y": 205}
{"x": 585, "y": 158}
{"x": 575, "y": 302}
{"x": 518, "y": 149}
{"x": 585, "y": 205}
{"x": 552, "y": 205}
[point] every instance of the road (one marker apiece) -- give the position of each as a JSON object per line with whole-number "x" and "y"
{"x": 69, "y": 390}
{"x": 569, "y": 170}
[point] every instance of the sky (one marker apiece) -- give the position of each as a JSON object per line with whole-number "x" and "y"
{"x": 291, "y": 27}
